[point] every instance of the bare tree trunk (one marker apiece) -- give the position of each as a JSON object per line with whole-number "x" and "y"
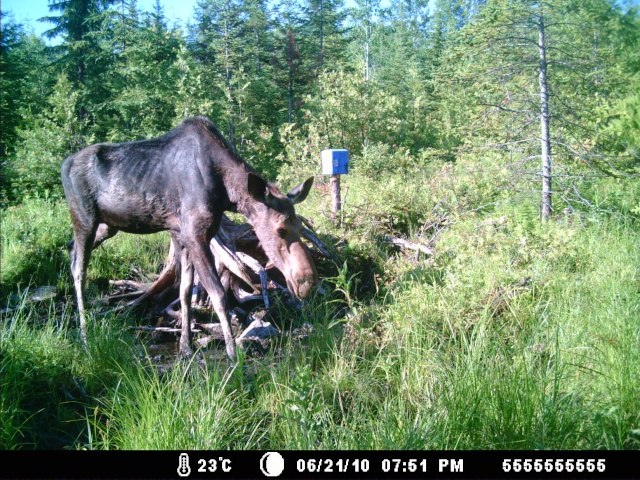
{"x": 367, "y": 73}
{"x": 290, "y": 59}
{"x": 545, "y": 137}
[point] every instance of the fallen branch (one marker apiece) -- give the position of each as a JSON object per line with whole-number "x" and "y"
{"x": 254, "y": 265}
{"x": 164, "y": 329}
{"x": 128, "y": 283}
{"x": 402, "y": 243}
{"x": 311, "y": 236}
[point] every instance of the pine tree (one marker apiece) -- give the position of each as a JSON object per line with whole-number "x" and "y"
{"x": 325, "y": 30}
{"x": 260, "y": 50}
{"x": 146, "y": 75}
{"x": 77, "y": 21}
{"x": 401, "y": 49}
{"x": 534, "y": 74}
{"x": 447, "y": 18}
{"x": 219, "y": 39}
{"x": 290, "y": 71}
{"x": 25, "y": 78}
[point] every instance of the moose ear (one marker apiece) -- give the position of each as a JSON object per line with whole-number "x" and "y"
{"x": 257, "y": 187}
{"x": 299, "y": 193}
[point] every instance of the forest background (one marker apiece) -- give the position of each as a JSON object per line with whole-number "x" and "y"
{"x": 503, "y": 135}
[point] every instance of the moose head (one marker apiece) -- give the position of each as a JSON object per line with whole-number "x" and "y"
{"x": 278, "y": 229}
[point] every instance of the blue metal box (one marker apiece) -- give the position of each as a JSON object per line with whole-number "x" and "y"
{"x": 335, "y": 161}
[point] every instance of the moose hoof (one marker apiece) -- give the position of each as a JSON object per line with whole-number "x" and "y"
{"x": 185, "y": 350}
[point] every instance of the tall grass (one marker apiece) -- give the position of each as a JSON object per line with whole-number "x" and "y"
{"x": 34, "y": 237}
{"x": 35, "y": 374}
{"x": 190, "y": 406}
{"x": 48, "y": 379}
{"x": 513, "y": 335}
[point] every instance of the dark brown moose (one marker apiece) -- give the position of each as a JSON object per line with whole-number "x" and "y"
{"x": 182, "y": 182}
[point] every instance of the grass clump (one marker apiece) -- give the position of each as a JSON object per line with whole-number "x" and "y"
{"x": 34, "y": 237}
{"x": 189, "y": 406}
{"x": 539, "y": 362}
{"x": 36, "y": 372}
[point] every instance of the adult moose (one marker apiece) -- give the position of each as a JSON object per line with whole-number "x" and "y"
{"x": 182, "y": 182}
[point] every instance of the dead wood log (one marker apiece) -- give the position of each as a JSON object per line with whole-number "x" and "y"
{"x": 167, "y": 281}
{"x": 309, "y": 234}
{"x": 127, "y": 283}
{"x": 223, "y": 246}
{"x": 255, "y": 266}
{"x": 402, "y": 243}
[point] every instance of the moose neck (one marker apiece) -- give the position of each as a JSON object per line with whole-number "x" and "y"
{"x": 236, "y": 181}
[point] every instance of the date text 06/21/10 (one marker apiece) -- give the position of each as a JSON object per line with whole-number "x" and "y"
{"x": 329, "y": 465}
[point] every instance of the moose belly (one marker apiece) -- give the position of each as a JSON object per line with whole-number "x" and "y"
{"x": 136, "y": 214}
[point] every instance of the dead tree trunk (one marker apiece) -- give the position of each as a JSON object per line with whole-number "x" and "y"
{"x": 545, "y": 136}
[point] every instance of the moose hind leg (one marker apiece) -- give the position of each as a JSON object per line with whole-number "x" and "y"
{"x": 80, "y": 254}
{"x": 186, "y": 287}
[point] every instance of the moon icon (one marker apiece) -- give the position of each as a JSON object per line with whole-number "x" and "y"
{"x": 272, "y": 464}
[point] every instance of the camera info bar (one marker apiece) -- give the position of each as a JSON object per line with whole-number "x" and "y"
{"x": 321, "y": 464}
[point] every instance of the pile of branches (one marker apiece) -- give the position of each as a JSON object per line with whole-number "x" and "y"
{"x": 245, "y": 272}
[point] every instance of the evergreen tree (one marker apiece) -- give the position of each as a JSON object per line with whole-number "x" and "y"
{"x": 620, "y": 113}
{"x": 325, "y": 30}
{"x": 401, "y": 47}
{"x": 77, "y": 21}
{"x": 53, "y": 133}
{"x": 258, "y": 51}
{"x": 291, "y": 68}
{"x": 534, "y": 74}
{"x": 145, "y": 75}
{"x": 221, "y": 44}
{"x": 25, "y": 79}
{"x": 447, "y": 18}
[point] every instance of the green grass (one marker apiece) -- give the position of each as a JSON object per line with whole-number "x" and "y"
{"x": 34, "y": 251}
{"x": 189, "y": 406}
{"x": 514, "y": 335}
{"x": 34, "y": 237}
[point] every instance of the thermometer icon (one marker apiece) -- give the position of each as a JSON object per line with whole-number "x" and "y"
{"x": 184, "y": 470}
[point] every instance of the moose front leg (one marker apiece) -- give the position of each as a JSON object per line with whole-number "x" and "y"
{"x": 204, "y": 264}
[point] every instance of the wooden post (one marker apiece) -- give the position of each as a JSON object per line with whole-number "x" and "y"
{"x": 335, "y": 197}
{"x": 335, "y": 162}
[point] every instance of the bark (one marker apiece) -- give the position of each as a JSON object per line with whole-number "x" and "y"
{"x": 545, "y": 137}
